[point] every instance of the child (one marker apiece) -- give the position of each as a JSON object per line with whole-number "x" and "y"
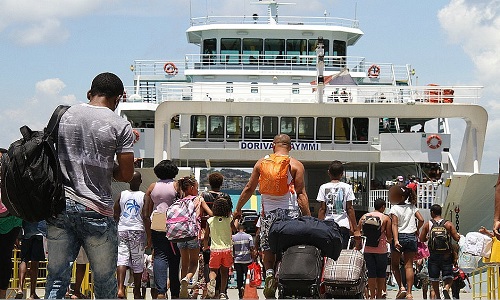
{"x": 336, "y": 199}
{"x": 190, "y": 248}
{"x": 219, "y": 229}
{"x": 131, "y": 235}
{"x": 405, "y": 230}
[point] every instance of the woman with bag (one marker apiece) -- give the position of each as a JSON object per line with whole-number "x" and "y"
{"x": 159, "y": 196}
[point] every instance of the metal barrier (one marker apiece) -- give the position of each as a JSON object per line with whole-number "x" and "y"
{"x": 486, "y": 282}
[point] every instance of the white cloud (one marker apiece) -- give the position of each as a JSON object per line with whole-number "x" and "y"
{"x": 475, "y": 26}
{"x": 48, "y": 31}
{"x": 35, "y": 111}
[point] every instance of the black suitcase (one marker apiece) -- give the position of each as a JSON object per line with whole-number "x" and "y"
{"x": 299, "y": 272}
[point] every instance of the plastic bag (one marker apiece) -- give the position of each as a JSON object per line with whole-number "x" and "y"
{"x": 255, "y": 274}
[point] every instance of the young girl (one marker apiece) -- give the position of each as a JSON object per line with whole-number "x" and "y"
{"x": 190, "y": 249}
{"x": 219, "y": 229}
{"x": 405, "y": 229}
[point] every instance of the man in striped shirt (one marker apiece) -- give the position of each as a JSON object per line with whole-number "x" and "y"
{"x": 243, "y": 248}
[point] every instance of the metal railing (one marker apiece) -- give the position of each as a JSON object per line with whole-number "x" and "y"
{"x": 426, "y": 196}
{"x": 282, "y": 20}
{"x": 486, "y": 282}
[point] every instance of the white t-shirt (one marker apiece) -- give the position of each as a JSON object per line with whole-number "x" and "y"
{"x": 131, "y": 204}
{"x": 336, "y": 195}
{"x": 407, "y": 222}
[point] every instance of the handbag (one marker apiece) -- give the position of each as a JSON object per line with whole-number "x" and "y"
{"x": 159, "y": 221}
{"x": 422, "y": 251}
{"x": 255, "y": 274}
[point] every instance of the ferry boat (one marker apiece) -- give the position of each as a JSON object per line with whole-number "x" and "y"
{"x": 260, "y": 75}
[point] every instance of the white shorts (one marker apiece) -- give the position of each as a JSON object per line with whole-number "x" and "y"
{"x": 131, "y": 245}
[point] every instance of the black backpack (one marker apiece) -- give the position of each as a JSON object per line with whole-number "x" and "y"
{"x": 439, "y": 239}
{"x": 372, "y": 229}
{"x": 31, "y": 185}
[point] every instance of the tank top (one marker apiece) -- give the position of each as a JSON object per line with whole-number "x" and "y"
{"x": 163, "y": 192}
{"x": 131, "y": 203}
{"x": 287, "y": 201}
{"x": 382, "y": 244}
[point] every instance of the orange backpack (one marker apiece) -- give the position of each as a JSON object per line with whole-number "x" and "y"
{"x": 273, "y": 179}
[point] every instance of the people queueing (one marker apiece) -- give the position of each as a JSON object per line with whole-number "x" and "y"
{"x": 128, "y": 212}
{"x": 439, "y": 232}
{"x": 406, "y": 224}
{"x": 95, "y": 145}
{"x": 275, "y": 197}
{"x": 336, "y": 198}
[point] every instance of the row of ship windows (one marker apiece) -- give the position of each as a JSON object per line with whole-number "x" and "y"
{"x": 319, "y": 129}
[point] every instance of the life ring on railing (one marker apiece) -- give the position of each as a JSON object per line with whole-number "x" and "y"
{"x": 170, "y": 68}
{"x": 434, "y": 141}
{"x": 137, "y": 136}
{"x": 373, "y": 71}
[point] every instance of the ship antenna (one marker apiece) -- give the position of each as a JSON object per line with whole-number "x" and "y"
{"x": 272, "y": 9}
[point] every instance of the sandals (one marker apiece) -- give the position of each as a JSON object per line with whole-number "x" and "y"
{"x": 401, "y": 294}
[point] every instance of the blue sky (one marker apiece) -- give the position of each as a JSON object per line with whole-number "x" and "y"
{"x": 51, "y": 49}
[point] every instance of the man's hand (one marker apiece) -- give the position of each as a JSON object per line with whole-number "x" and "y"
{"x": 496, "y": 228}
{"x": 237, "y": 214}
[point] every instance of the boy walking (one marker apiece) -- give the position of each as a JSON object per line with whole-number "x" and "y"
{"x": 439, "y": 233}
{"x": 336, "y": 199}
{"x": 243, "y": 248}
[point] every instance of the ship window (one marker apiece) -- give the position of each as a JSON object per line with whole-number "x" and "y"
{"x": 295, "y": 88}
{"x": 312, "y": 50}
{"x": 209, "y": 51}
{"x": 274, "y": 49}
{"x": 252, "y": 128}
{"x": 339, "y": 49}
{"x": 342, "y": 130}
{"x": 269, "y": 127}
{"x": 254, "y": 88}
{"x": 294, "y": 48}
{"x": 198, "y": 127}
{"x": 306, "y": 128}
{"x": 360, "y": 130}
{"x": 233, "y": 128}
{"x": 252, "y": 49}
{"x": 230, "y": 50}
{"x": 288, "y": 126}
{"x": 229, "y": 87}
{"x": 324, "y": 129}
{"x": 216, "y": 128}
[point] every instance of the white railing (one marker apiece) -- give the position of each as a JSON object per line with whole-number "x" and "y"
{"x": 282, "y": 20}
{"x": 426, "y": 196}
{"x": 375, "y": 194}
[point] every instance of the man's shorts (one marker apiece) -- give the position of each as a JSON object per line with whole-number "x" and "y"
{"x": 131, "y": 244}
{"x": 32, "y": 249}
{"x": 268, "y": 219}
{"x": 376, "y": 264}
{"x": 220, "y": 258}
{"x": 440, "y": 263}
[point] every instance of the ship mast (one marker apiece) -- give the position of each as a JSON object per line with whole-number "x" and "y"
{"x": 272, "y": 9}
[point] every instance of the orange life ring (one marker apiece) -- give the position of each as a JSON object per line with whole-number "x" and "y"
{"x": 373, "y": 71}
{"x": 170, "y": 68}
{"x": 434, "y": 141}
{"x": 137, "y": 136}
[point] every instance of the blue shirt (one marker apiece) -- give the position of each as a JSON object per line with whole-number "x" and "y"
{"x": 242, "y": 244}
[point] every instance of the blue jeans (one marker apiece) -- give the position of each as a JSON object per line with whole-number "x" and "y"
{"x": 166, "y": 261}
{"x": 75, "y": 227}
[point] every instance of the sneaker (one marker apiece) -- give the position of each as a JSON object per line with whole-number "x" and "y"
{"x": 184, "y": 294}
{"x": 222, "y": 296}
{"x": 270, "y": 287}
{"x": 211, "y": 288}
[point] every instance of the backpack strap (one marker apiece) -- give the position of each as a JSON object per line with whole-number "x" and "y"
{"x": 52, "y": 128}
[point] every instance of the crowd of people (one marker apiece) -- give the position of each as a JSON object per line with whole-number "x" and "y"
{"x": 95, "y": 146}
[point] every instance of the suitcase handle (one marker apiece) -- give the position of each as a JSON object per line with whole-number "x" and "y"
{"x": 352, "y": 241}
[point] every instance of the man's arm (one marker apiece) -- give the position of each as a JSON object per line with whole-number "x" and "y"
{"x": 352, "y": 216}
{"x": 453, "y": 231}
{"x": 496, "y": 217}
{"x": 249, "y": 188}
{"x": 322, "y": 211}
{"x": 300, "y": 188}
{"x": 117, "y": 210}
{"x": 124, "y": 170}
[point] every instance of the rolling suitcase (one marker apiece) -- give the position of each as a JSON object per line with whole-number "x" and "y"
{"x": 346, "y": 277}
{"x": 299, "y": 272}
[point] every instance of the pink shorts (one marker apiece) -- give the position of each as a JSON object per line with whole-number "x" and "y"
{"x": 221, "y": 258}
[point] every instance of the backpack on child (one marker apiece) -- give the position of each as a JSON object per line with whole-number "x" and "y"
{"x": 32, "y": 187}
{"x": 439, "y": 238}
{"x": 273, "y": 179}
{"x": 181, "y": 220}
{"x": 372, "y": 229}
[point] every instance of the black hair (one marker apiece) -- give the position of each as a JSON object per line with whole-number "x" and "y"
{"x": 436, "y": 209}
{"x": 185, "y": 183}
{"x": 166, "y": 169}
{"x": 379, "y": 203}
{"x": 215, "y": 179}
{"x": 336, "y": 169}
{"x": 106, "y": 84}
{"x": 221, "y": 207}
{"x": 3, "y": 150}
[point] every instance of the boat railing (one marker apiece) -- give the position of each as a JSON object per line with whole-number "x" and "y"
{"x": 282, "y": 20}
{"x": 303, "y": 93}
{"x": 427, "y": 195}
